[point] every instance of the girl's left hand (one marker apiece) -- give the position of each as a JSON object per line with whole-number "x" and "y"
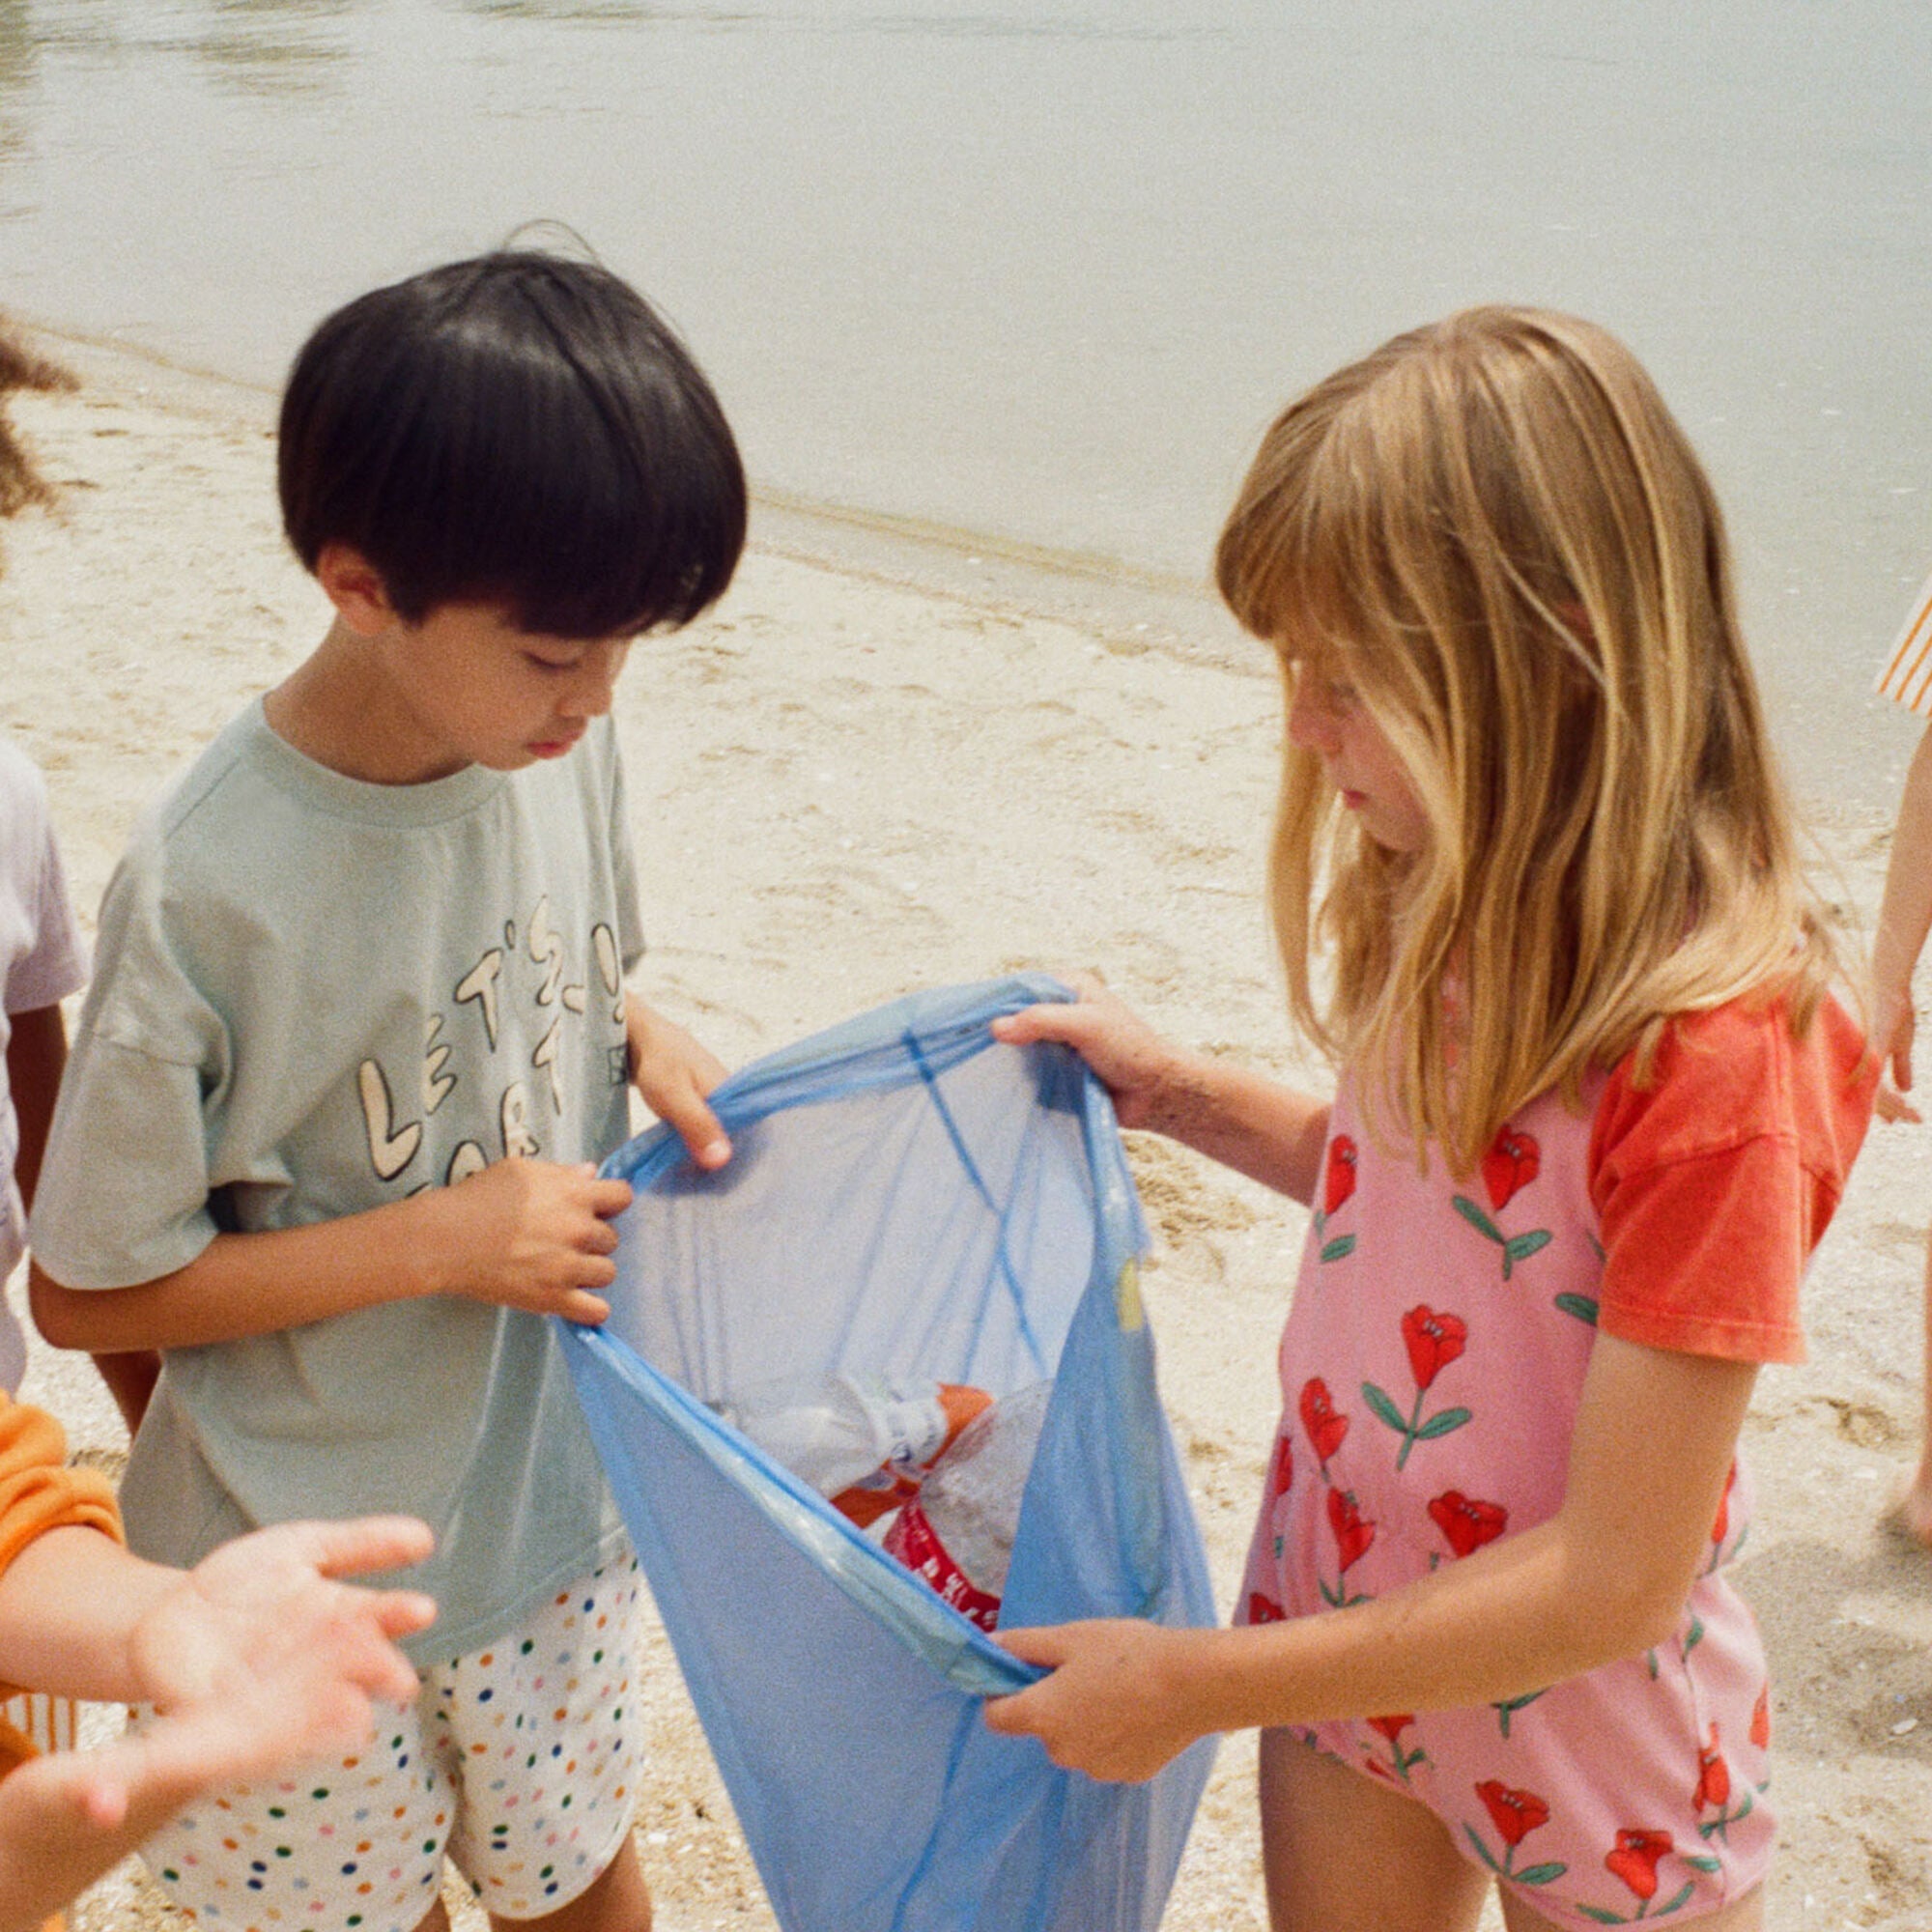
{"x": 1114, "y": 1707}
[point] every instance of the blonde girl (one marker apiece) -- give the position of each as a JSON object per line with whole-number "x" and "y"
{"x": 1535, "y": 891}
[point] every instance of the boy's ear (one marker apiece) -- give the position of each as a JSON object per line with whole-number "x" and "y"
{"x": 355, "y": 587}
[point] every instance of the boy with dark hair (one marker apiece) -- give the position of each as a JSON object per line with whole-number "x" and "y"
{"x": 359, "y": 1026}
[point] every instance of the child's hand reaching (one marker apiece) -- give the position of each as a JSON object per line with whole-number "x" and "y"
{"x": 531, "y": 1235}
{"x": 1894, "y": 1025}
{"x": 1110, "y": 1708}
{"x": 260, "y": 1656}
{"x": 1136, "y": 1066}
{"x": 673, "y": 1073}
{"x": 259, "y": 1659}
{"x": 1270, "y": 1131}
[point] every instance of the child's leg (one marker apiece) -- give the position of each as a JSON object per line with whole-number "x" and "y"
{"x": 616, "y": 1901}
{"x": 1746, "y": 1915}
{"x": 1339, "y": 1850}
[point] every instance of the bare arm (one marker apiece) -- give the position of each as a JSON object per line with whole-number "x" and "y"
{"x": 673, "y": 1073}
{"x": 525, "y": 1233}
{"x": 36, "y": 1054}
{"x": 258, "y": 1658}
{"x": 1606, "y": 1577}
{"x": 1905, "y": 917}
{"x": 1272, "y": 1133}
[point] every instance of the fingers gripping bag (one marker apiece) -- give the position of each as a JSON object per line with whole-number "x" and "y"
{"x": 919, "y": 1226}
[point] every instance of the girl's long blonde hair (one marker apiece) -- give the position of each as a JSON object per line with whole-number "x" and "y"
{"x": 1495, "y": 531}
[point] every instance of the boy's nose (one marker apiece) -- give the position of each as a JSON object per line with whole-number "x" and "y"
{"x": 596, "y": 680}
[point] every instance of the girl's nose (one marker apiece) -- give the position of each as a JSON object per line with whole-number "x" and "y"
{"x": 1311, "y": 718}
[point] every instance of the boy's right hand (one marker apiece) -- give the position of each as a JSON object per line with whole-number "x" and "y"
{"x": 1135, "y": 1065}
{"x": 531, "y": 1235}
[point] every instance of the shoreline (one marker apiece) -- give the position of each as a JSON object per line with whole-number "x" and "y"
{"x": 846, "y": 781}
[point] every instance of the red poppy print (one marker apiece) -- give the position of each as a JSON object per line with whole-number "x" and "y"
{"x": 1634, "y": 1860}
{"x": 1516, "y": 1814}
{"x": 1713, "y": 1794}
{"x": 1326, "y": 1425}
{"x": 1434, "y": 1341}
{"x": 1338, "y": 1182}
{"x": 1402, "y": 1762}
{"x": 1281, "y": 1477}
{"x": 1264, "y": 1609}
{"x": 1466, "y": 1522}
{"x": 1511, "y": 1164}
{"x": 1353, "y": 1532}
{"x": 1760, "y": 1724}
{"x": 1722, "y": 1528}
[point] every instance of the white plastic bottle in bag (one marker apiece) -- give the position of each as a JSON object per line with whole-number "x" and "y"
{"x": 958, "y": 1531}
{"x": 862, "y": 1442}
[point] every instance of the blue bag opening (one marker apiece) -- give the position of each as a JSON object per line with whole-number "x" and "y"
{"x": 907, "y": 1197}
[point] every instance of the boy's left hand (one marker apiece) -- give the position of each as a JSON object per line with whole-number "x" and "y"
{"x": 1114, "y": 1706}
{"x": 673, "y": 1075}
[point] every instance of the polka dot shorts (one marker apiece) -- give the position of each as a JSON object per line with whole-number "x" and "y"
{"x": 517, "y": 1760}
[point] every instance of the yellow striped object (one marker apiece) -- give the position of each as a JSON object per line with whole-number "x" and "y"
{"x": 1907, "y": 676}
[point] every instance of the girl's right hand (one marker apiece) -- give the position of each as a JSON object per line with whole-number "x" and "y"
{"x": 1135, "y": 1065}
{"x": 1894, "y": 1025}
{"x": 531, "y": 1235}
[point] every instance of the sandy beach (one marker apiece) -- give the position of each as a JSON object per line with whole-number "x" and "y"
{"x": 846, "y": 786}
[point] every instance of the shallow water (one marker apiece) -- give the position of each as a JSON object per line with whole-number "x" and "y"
{"x": 1039, "y": 271}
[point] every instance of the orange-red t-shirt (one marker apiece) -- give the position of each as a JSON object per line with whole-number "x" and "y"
{"x": 1713, "y": 1183}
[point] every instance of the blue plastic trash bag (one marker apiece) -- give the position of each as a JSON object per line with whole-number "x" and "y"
{"x": 907, "y": 1197}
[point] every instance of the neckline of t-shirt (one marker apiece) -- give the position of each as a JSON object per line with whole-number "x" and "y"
{"x": 430, "y": 803}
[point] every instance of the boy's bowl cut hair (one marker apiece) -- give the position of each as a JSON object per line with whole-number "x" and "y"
{"x": 520, "y": 429}
{"x": 1497, "y": 529}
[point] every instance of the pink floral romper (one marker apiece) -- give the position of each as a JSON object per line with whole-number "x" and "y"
{"x": 1431, "y": 1370}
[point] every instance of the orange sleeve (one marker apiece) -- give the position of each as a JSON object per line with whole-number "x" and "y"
{"x": 38, "y": 1490}
{"x": 1715, "y": 1182}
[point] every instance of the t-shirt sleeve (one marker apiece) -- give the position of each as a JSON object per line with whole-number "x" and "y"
{"x": 55, "y": 964}
{"x": 1713, "y": 1183}
{"x": 38, "y": 1490}
{"x": 123, "y": 1193}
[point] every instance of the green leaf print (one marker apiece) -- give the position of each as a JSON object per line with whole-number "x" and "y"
{"x": 1581, "y": 1306}
{"x": 1441, "y": 1424}
{"x": 1481, "y": 1850}
{"x": 1385, "y": 1411}
{"x": 1546, "y": 1874}
{"x": 1519, "y": 1247}
{"x": 1477, "y": 1219}
{"x": 1342, "y": 1244}
{"x": 1508, "y": 1709}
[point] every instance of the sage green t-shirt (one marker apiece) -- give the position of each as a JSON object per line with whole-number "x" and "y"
{"x": 313, "y": 996}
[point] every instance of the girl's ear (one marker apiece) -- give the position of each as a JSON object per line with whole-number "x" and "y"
{"x": 355, "y": 587}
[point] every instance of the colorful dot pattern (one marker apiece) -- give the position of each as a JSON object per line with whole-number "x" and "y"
{"x": 517, "y": 1761}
